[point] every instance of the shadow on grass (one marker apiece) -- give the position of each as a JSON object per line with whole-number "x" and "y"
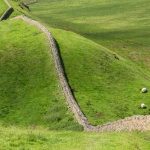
{"x": 64, "y": 71}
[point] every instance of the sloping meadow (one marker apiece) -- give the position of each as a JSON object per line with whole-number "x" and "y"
{"x": 30, "y": 94}
{"x": 3, "y": 7}
{"x": 106, "y": 86}
{"x": 105, "y": 81}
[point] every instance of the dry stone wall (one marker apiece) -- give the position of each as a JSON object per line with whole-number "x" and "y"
{"x": 28, "y": 2}
{"x": 140, "y": 123}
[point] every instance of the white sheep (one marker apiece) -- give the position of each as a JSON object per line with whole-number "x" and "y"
{"x": 143, "y": 106}
{"x": 144, "y": 90}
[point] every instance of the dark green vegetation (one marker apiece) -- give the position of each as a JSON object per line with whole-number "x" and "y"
{"x": 29, "y": 90}
{"x": 107, "y": 87}
{"x": 3, "y": 7}
{"x": 14, "y": 138}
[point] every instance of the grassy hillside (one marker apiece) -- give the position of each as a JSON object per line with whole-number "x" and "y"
{"x": 106, "y": 88}
{"x": 16, "y": 138}
{"x": 3, "y": 7}
{"x": 122, "y": 26}
{"x": 106, "y": 85}
{"x": 29, "y": 91}
{"x": 17, "y": 9}
{"x": 99, "y": 81}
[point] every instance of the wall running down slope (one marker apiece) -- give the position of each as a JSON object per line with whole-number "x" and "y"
{"x": 8, "y": 12}
{"x": 58, "y": 64}
{"x": 140, "y": 123}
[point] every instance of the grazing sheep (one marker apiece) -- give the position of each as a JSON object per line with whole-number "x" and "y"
{"x": 143, "y": 106}
{"x": 144, "y": 90}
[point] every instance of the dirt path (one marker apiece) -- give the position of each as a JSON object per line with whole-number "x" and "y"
{"x": 140, "y": 123}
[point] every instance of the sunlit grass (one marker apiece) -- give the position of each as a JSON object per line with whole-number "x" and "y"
{"x": 122, "y": 26}
{"x": 107, "y": 88}
{"x": 3, "y": 7}
{"x": 30, "y": 94}
{"x": 37, "y": 139}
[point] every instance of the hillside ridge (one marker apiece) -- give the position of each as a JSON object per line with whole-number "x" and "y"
{"x": 139, "y": 122}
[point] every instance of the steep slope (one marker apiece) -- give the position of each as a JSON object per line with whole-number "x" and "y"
{"x": 122, "y": 26}
{"x": 29, "y": 91}
{"x": 106, "y": 86}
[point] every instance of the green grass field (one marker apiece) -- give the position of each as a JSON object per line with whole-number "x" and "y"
{"x": 106, "y": 89}
{"x": 17, "y": 9}
{"x": 99, "y": 81}
{"x": 3, "y": 7}
{"x": 122, "y": 26}
{"x": 105, "y": 50}
{"x": 14, "y": 138}
{"x": 30, "y": 94}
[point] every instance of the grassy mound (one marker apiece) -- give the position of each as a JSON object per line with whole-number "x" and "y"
{"x": 107, "y": 87}
{"x": 16, "y": 138}
{"x": 29, "y": 91}
{"x": 3, "y": 7}
{"x": 122, "y": 26}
